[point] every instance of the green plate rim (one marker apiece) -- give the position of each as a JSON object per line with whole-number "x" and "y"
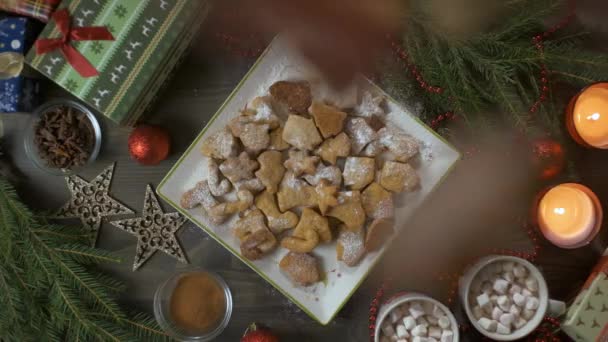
{"x": 237, "y": 254}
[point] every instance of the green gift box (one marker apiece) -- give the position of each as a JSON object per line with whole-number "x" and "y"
{"x": 147, "y": 40}
{"x": 587, "y": 317}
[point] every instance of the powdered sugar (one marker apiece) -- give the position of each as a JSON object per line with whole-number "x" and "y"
{"x": 329, "y": 173}
{"x": 426, "y": 151}
{"x": 220, "y": 145}
{"x": 254, "y": 185}
{"x": 398, "y": 142}
{"x": 200, "y": 194}
{"x": 353, "y": 245}
{"x": 218, "y": 186}
{"x": 360, "y": 133}
{"x": 291, "y": 181}
{"x": 370, "y": 106}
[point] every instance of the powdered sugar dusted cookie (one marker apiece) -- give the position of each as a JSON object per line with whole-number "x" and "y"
{"x": 370, "y": 106}
{"x": 217, "y": 185}
{"x": 326, "y": 195}
{"x": 256, "y": 239}
{"x": 220, "y": 145}
{"x": 296, "y": 95}
{"x": 349, "y": 210}
{"x": 239, "y": 168}
{"x": 276, "y": 140}
{"x": 300, "y": 162}
{"x": 400, "y": 144}
{"x": 243, "y": 202}
{"x": 277, "y": 221}
{"x": 333, "y": 148}
{"x": 373, "y": 149}
{"x": 329, "y": 119}
{"x": 201, "y": 195}
{"x": 253, "y": 185}
{"x": 294, "y": 192}
{"x": 351, "y": 246}
{"x": 331, "y": 173}
{"x": 311, "y": 220}
{"x": 377, "y": 202}
{"x": 261, "y": 112}
{"x": 301, "y": 133}
{"x": 271, "y": 170}
{"x": 398, "y": 177}
{"x": 359, "y": 172}
{"x": 301, "y": 268}
{"x": 255, "y": 137}
{"x": 360, "y": 134}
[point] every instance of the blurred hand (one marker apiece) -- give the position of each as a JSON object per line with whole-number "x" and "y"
{"x": 341, "y": 37}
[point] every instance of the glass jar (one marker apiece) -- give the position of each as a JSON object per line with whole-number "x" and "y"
{"x": 31, "y": 150}
{"x": 162, "y": 308}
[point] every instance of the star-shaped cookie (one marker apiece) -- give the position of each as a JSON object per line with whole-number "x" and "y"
{"x": 90, "y": 201}
{"x": 326, "y": 195}
{"x": 155, "y": 231}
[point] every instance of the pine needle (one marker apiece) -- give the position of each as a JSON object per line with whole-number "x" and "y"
{"x": 51, "y": 290}
{"x": 493, "y": 69}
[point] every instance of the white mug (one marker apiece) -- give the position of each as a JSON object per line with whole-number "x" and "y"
{"x": 552, "y": 307}
{"x": 394, "y": 302}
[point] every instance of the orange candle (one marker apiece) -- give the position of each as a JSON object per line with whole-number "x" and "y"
{"x": 587, "y": 116}
{"x": 569, "y": 215}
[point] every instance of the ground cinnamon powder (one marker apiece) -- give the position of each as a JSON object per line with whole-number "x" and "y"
{"x": 198, "y": 303}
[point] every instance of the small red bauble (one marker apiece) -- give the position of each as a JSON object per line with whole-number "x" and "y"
{"x": 256, "y": 333}
{"x": 548, "y": 157}
{"x": 149, "y": 145}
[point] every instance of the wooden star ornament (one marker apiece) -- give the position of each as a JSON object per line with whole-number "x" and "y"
{"x": 91, "y": 202}
{"x": 155, "y": 231}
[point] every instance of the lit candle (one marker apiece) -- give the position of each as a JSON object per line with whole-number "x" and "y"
{"x": 569, "y": 215}
{"x": 587, "y": 116}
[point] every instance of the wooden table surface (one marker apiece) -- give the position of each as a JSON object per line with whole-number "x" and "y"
{"x": 427, "y": 247}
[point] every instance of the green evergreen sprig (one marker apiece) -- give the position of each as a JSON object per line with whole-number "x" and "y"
{"x": 492, "y": 77}
{"x": 51, "y": 288}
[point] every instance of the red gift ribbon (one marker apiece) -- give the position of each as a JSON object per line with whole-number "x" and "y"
{"x": 69, "y": 33}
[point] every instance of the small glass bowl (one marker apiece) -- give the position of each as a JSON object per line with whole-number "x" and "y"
{"x": 162, "y": 303}
{"x": 31, "y": 150}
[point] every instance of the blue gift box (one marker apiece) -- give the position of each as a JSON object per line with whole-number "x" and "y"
{"x": 17, "y": 94}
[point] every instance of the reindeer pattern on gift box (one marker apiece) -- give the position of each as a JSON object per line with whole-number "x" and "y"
{"x": 131, "y": 50}
{"x": 142, "y": 32}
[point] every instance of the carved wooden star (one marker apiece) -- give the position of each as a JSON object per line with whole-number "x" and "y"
{"x": 155, "y": 231}
{"x": 90, "y": 201}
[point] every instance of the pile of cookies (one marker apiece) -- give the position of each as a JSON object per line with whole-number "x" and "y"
{"x": 305, "y": 172}
{"x": 418, "y": 321}
{"x": 504, "y": 297}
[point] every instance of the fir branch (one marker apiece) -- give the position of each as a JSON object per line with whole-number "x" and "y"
{"x": 499, "y": 68}
{"x": 51, "y": 290}
{"x": 86, "y": 254}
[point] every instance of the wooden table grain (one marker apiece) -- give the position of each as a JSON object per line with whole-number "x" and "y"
{"x": 193, "y": 95}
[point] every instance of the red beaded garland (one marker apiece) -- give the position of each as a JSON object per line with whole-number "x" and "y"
{"x": 538, "y": 42}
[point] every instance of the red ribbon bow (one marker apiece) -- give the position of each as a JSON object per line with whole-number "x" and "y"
{"x": 69, "y": 33}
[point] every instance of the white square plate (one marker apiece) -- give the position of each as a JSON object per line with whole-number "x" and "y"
{"x": 323, "y": 300}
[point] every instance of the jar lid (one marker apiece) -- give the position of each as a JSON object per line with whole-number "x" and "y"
{"x": 567, "y": 215}
{"x": 591, "y": 115}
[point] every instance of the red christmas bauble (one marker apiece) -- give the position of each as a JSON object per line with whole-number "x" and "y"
{"x": 548, "y": 157}
{"x": 149, "y": 145}
{"x": 256, "y": 333}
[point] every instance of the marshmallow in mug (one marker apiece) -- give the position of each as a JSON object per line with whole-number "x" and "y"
{"x": 417, "y": 321}
{"x": 504, "y": 297}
